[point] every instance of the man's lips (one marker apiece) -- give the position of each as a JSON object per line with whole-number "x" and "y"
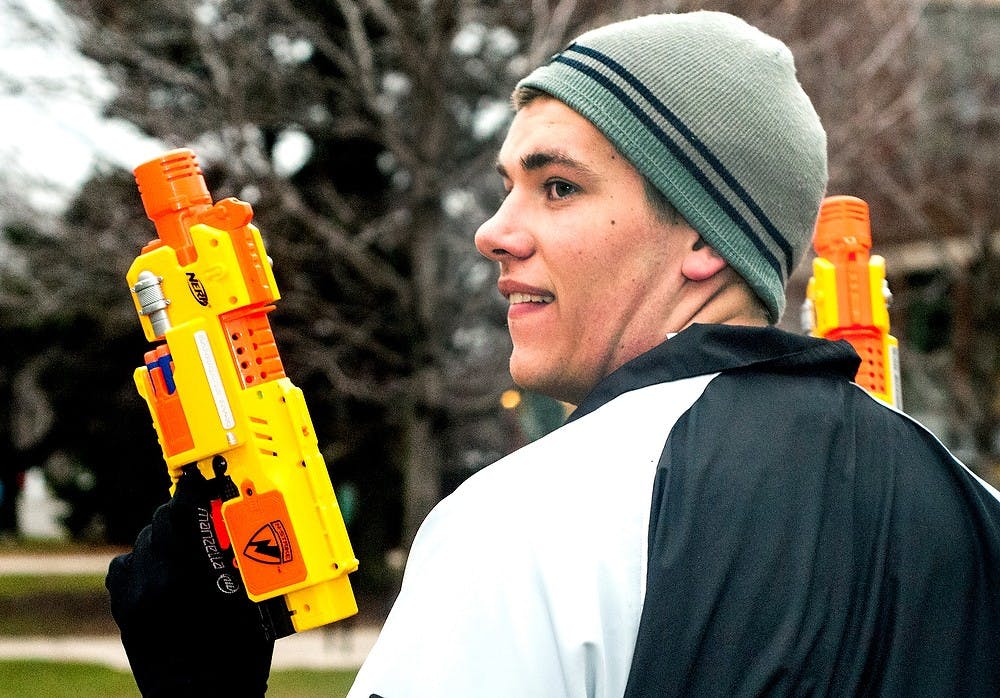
{"x": 518, "y": 294}
{"x": 518, "y": 298}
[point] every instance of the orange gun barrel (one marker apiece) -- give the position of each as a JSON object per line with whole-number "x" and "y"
{"x": 174, "y": 194}
{"x": 848, "y": 296}
{"x": 843, "y": 236}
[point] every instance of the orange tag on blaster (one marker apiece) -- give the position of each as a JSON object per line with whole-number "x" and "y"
{"x": 267, "y": 552}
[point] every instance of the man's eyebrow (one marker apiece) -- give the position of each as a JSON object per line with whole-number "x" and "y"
{"x": 544, "y": 158}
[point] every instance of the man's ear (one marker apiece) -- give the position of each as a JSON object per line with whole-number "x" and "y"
{"x": 702, "y": 262}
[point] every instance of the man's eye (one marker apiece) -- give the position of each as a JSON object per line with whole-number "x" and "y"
{"x": 558, "y": 189}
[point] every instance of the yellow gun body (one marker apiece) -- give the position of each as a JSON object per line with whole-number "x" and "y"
{"x": 219, "y": 398}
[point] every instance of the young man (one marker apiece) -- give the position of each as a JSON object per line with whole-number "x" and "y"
{"x": 725, "y": 513}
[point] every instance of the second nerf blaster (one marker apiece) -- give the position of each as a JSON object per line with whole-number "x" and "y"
{"x": 220, "y": 401}
{"x": 848, "y": 296}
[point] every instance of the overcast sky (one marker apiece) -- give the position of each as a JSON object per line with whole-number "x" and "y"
{"x": 51, "y": 132}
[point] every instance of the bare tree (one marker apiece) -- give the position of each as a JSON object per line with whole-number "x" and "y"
{"x": 389, "y": 320}
{"x": 959, "y": 139}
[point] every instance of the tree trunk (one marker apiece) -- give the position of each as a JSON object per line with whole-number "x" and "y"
{"x": 421, "y": 470}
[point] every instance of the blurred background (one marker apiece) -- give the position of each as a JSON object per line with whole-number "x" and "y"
{"x": 363, "y": 132}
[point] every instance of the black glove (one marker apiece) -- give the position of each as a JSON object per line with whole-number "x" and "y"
{"x": 186, "y": 622}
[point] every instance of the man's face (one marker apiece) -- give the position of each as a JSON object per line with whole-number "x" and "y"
{"x": 589, "y": 269}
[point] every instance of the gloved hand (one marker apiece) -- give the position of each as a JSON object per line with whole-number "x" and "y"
{"x": 186, "y": 622}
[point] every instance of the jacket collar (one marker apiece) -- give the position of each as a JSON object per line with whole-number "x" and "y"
{"x": 703, "y": 349}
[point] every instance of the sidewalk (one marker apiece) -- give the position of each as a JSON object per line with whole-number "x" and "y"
{"x": 342, "y": 645}
{"x": 56, "y": 563}
{"x": 332, "y": 648}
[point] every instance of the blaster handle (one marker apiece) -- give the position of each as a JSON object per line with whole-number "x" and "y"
{"x": 218, "y": 395}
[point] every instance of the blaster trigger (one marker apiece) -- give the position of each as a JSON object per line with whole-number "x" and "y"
{"x": 221, "y": 533}
{"x": 227, "y": 488}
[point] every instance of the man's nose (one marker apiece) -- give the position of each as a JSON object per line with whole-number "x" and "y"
{"x": 506, "y": 235}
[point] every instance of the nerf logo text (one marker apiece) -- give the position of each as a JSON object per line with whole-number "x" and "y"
{"x": 197, "y": 289}
{"x": 270, "y": 545}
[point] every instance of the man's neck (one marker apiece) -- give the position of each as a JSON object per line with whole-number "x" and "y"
{"x": 724, "y": 301}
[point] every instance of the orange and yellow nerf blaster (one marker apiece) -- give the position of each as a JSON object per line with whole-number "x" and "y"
{"x": 848, "y": 296}
{"x": 221, "y": 402}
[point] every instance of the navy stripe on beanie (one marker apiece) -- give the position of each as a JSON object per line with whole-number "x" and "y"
{"x": 688, "y": 164}
{"x": 695, "y": 142}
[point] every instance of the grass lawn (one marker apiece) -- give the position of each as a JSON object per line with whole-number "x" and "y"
{"x": 21, "y": 679}
{"x": 56, "y": 605}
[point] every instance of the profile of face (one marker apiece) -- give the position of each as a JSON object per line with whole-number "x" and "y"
{"x": 591, "y": 272}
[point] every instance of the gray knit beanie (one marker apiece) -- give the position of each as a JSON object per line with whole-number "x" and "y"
{"x": 708, "y": 108}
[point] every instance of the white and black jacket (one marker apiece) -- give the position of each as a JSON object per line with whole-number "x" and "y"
{"x": 726, "y": 515}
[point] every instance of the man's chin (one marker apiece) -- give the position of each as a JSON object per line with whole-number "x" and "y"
{"x": 536, "y": 379}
